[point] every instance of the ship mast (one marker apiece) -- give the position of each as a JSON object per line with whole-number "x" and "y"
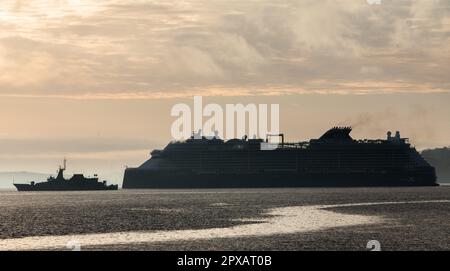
{"x": 61, "y": 171}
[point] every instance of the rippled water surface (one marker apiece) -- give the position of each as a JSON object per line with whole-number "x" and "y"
{"x": 245, "y": 219}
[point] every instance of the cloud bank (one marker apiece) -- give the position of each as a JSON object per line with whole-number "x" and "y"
{"x": 123, "y": 49}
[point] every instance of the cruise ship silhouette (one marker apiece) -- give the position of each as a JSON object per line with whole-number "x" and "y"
{"x": 333, "y": 160}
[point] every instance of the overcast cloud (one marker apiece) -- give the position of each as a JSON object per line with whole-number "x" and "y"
{"x": 120, "y": 49}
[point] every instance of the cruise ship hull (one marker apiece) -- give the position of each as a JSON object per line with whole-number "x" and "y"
{"x": 333, "y": 160}
{"x": 141, "y": 178}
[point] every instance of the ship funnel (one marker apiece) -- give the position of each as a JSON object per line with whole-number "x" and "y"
{"x": 389, "y": 136}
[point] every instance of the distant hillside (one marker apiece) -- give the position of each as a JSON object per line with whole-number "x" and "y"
{"x": 7, "y": 178}
{"x": 440, "y": 159}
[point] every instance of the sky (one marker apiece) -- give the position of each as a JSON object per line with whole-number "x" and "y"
{"x": 94, "y": 81}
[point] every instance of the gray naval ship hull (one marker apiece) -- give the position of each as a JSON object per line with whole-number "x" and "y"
{"x": 37, "y": 187}
{"x": 139, "y": 178}
{"x": 76, "y": 183}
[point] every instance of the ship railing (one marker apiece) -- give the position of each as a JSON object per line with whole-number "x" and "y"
{"x": 371, "y": 141}
{"x": 294, "y": 145}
